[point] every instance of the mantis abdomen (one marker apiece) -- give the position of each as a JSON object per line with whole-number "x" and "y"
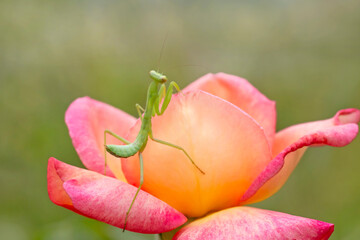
{"x": 125, "y": 151}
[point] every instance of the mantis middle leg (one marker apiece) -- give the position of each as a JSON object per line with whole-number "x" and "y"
{"x": 138, "y": 190}
{"x": 139, "y": 109}
{"x": 115, "y": 136}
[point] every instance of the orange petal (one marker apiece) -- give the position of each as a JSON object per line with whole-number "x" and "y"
{"x": 87, "y": 120}
{"x": 243, "y": 223}
{"x": 291, "y": 143}
{"x": 244, "y": 95}
{"x": 224, "y": 141}
{"x": 107, "y": 199}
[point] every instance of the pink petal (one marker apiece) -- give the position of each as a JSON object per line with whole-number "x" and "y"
{"x": 224, "y": 141}
{"x": 241, "y": 93}
{"x": 56, "y": 191}
{"x": 252, "y": 223}
{"x": 87, "y": 119}
{"x": 290, "y": 144}
{"x": 107, "y": 199}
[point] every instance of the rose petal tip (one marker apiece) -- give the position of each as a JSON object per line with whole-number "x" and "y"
{"x": 349, "y": 115}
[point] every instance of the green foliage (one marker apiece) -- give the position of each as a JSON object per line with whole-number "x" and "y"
{"x": 303, "y": 54}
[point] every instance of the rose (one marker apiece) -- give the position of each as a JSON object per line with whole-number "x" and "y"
{"x": 228, "y": 128}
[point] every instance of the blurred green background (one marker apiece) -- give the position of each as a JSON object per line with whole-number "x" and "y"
{"x": 303, "y": 54}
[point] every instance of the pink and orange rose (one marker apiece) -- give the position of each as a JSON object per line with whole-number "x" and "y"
{"x": 228, "y": 128}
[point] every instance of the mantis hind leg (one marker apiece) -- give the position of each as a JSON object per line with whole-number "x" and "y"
{"x": 177, "y": 147}
{"x": 138, "y": 190}
{"x": 115, "y": 136}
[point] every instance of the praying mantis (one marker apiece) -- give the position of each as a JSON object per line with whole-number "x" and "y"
{"x": 156, "y": 92}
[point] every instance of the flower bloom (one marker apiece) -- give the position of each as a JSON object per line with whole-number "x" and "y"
{"x": 228, "y": 128}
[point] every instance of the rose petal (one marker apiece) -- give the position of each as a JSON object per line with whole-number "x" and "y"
{"x": 87, "y": 120}
{"x": 241, "y": 93}
{"x": 252, "y": 223}
{"x": 107, "y": 199}
{"x": 56, "y": 191}
{"x": 290, "y": 144}
{"x": 224, "y": 141}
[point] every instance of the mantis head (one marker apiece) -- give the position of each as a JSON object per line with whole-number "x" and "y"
{"x": 158, "y": 77}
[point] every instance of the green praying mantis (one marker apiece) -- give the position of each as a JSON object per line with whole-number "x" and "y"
{"x": 156, "y": 92}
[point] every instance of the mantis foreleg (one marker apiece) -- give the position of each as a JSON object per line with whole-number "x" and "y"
{"x": 168, "y": 95}
{"x": 177, "y": 147}
{"x": 161, "y": 94}
{"x": 115, "y": 136}
{"x": 138, "y": 190}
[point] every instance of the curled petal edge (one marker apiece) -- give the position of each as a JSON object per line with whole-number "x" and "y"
{"x": 107, "y": 199}
{"x": 337, "y": 132}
